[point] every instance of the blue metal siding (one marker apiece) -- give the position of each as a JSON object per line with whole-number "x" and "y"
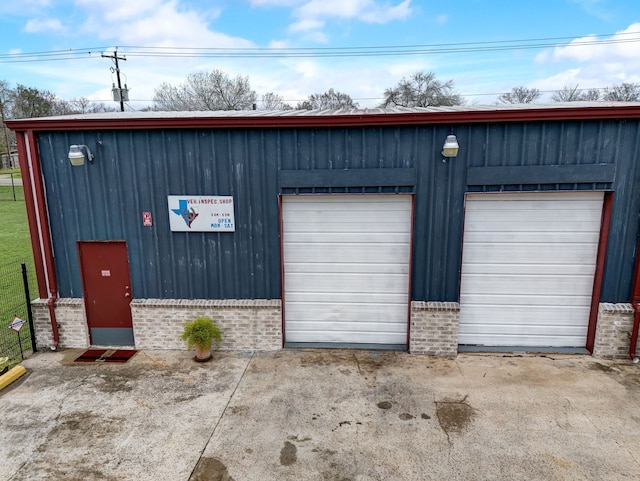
{"x": 134, "y": 171}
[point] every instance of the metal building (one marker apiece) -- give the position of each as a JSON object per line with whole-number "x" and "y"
{"x": 340, "y": 228}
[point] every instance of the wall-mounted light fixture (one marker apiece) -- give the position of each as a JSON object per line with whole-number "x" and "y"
{"x": 77, "y": 157}
{"x": 450, "y": 148}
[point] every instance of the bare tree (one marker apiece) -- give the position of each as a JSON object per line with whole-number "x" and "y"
{"x": 206, "y": 91}
{"x": 331, "y": 99}
{"x": 81, "y": 105}
{"x": 273, "y": 101}
{"x": 574, "y": 94}
{"x": 567, "y": 94}
{"x": 520, "y": 95}
{"x": 421, "y": 90}
{"x": 591, "y": 94}
{"x": 625, "y": 92}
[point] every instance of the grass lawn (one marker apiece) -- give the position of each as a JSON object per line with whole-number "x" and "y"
{"x": 14, "y": 229}
{"x": 15, "y": 249}
{"x": 15, "y": 172}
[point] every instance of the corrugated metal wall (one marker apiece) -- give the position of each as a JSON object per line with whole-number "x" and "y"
{"x": 134, "y": 171}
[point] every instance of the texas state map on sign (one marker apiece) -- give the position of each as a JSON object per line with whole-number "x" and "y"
{"x": 188, "y": 215}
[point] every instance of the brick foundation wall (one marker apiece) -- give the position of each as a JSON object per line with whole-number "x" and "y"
{"x": 613, "y": 331}
{"x": 72, "y": 324}
{"x": 434, "y": 328}
{"x": 257, "y": 325}
{"x": 248, "y": 325}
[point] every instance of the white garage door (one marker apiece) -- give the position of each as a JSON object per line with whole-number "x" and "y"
{"x": 528, "y": 264}
{"x": 346, "y": 268}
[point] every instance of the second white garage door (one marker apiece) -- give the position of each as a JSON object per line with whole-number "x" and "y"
{"x": 528, "y": 267}
{"x": 346, "y": 268}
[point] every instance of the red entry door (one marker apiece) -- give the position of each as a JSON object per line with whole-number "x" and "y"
{"x": 106, "y": 284}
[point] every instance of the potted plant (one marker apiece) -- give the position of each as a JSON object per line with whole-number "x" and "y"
{"x": 201, "y": 333}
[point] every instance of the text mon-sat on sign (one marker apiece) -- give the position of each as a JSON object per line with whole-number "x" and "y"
{"x": 204, "y": 213}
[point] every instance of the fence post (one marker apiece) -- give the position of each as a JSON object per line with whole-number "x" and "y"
{"x": 13, "y": 188}
{"x": 27, "y": 296}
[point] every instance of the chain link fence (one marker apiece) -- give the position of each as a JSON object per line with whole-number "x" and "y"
{"x": 10, "y": 187}
{"x": 17, "y": 335}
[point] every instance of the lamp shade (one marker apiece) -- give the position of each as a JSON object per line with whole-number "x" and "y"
{"x": 450, "y": 147}
{"x": 76, "y": 156}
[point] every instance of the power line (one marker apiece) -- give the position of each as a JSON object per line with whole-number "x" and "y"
{"x": 121, "y": 93}
{"x": 332, "y": 52}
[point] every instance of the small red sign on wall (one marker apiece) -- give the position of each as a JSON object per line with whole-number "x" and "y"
{"x": 146, "y": 219}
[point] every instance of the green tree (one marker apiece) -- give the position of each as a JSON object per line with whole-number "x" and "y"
{"x": 6, "y": 135}
{"x": 31, "y": 102}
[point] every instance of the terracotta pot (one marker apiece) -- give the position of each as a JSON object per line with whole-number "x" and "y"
{"x": 203, "y": 355}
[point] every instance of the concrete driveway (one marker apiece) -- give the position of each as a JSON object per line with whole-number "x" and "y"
{"x": 322, "y": 415}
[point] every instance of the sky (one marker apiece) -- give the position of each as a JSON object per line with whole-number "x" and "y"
{"x": 296, "y": 48}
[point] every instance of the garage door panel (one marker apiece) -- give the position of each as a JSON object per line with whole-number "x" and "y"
{"x": 521, "y": 300}
{"x": 342, "y": 337}
{"x": 346, "y": 268}
{"x": 562, "y": 285}
{"x": 531, "y": 315}
{"x": 350, "y": 267}
{"x": 530, "y": 340}
{"x": 304, "y": 325}
{"x": 344, "y": 253}
{"x": 486, "y": 220}
{"x": 348, "y": 226}
{"x": 532, "y": 237}
{"x": 313, "y": 238}
{"x": 528, "y": 254}
{"x": 344, "y": 297}
{"x": 527, "y": 268}
{"x": 347, "y": 283}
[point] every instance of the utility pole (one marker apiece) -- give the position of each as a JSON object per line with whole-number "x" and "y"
{"x": 115, "y": 59}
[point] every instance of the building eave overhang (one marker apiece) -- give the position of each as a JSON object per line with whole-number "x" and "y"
{"x": 311, "y": 120}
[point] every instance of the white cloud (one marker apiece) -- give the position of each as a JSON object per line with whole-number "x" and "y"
{"x": 593, "y": 62}
{"x": 112, "y": 11}
{"x": 155, "y": 23}
{"x": 24, "y": 7}
{"x": 313, "y": 14}
{"x": 305, "y": 25}
{"x": 595, "y": 8}
{"x": 622, "y": 45}
{"x": 36, "y": 25}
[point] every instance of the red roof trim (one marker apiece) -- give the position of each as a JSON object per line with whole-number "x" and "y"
{"x": 301, "y": 121}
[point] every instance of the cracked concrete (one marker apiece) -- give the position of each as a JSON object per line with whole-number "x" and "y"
{"x": 322, "y": 415}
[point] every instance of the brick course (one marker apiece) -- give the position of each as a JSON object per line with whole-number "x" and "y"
{"x": 250, "y": 324}
{"x": 434, "y": 328}
{"x": 72, "y": 324}
{"x": 247, "y": 324}
{"x": 613, "y": 331}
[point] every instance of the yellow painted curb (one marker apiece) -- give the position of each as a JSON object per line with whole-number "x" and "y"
{"x": 13, "y": 374}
